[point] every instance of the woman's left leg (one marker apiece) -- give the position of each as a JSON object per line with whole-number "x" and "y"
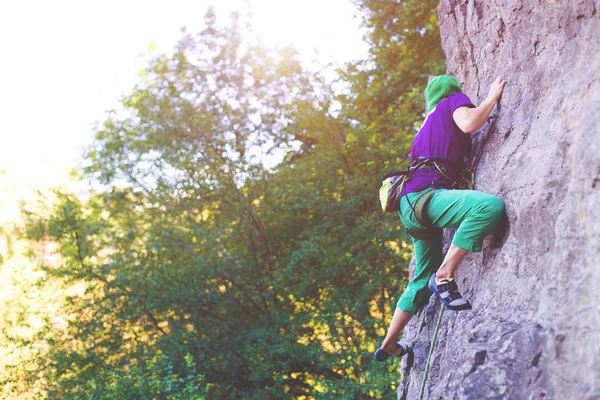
{"x": 399, "y": 321}
{"x": 428, "y": 256}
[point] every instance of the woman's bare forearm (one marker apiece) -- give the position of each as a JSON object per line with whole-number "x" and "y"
{"x": 471, "y": 119}
{"x": 477, "y": 116}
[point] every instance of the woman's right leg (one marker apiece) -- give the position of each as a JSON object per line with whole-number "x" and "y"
{"x": 453, "y": 257}
{"x": 475, "y": 214}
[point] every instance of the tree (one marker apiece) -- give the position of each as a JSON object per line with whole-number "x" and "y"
{"x": 234, "y": 239}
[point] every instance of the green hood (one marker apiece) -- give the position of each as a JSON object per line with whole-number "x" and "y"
{"x": 439, "y": 88}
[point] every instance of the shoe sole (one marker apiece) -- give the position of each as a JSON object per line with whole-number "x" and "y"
{"x": 384, "y": 355}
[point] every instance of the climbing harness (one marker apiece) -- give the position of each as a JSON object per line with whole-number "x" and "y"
{"x": 391, "y": 191}
{"x": 393, "y": 183}
{"x": 431, "y": 348}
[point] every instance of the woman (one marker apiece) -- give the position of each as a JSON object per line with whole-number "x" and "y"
{"x": 444, "y": 136}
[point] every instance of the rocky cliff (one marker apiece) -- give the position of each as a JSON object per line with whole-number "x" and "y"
{"x": 534, "y": 332}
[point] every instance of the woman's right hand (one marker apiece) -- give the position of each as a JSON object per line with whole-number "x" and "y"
{"x": 496, "y": 89}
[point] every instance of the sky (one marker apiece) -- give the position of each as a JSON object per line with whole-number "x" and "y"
{"x": 64, "y": 63}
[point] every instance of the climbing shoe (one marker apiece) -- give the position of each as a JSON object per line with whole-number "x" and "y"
{"x": 447, "y": 291}
{"x": 382, "y": 355}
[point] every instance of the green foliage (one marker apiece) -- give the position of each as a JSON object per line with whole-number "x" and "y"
{"x": 155, "y": 379}
{"x": 206, "y": 267}
{"x": 24, "y": 303}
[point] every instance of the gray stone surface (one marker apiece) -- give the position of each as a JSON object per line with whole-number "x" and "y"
{"x": 534, "y": 332}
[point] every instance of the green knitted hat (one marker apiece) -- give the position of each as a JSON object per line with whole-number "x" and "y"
{"x": 439, "y": 88}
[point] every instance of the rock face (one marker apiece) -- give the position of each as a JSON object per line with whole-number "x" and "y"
{"x": 534, "y": 332}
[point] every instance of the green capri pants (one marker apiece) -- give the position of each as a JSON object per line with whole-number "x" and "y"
{"x": 474, "y": 213}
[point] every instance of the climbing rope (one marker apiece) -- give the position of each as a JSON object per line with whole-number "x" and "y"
{"x": 431, "y": 348}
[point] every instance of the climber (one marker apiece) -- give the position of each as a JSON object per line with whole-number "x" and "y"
{"x": 444, "y": 137}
